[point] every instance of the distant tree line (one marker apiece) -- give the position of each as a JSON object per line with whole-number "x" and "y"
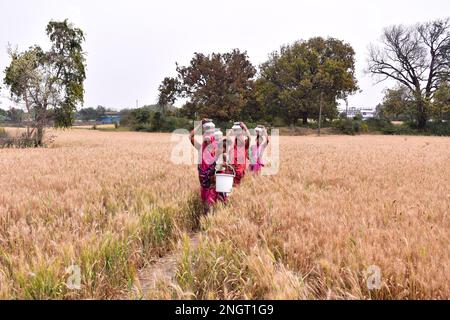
{"x": 287, "y": 88}
{"x": 87, "y": 114}
{"x": 400, "y": 104}
{"x": 154, "y": 118}
{"x": 13, "y": 115}
{"x": 292, "y": 84}
{"x": 290, "y": 88}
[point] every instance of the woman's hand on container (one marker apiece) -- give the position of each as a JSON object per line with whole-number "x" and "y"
{"x": 244, "y": 126}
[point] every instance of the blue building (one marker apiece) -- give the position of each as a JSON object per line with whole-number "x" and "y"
{"x": 109, "y": 118}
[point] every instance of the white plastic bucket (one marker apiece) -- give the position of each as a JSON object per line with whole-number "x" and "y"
{"x": 224, "y": 182}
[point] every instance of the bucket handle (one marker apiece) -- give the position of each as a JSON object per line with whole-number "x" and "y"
{"x": 234, "y": 171}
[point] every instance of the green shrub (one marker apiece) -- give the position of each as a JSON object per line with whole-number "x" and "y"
{"x": 364, "y": 127}
{"x": 347, "y": 126}
{"x": 438, "y": 128}
{"x": 144, "y": 127}
{"x": 156, "y": 228}
{"x": 326, "y": 123}
{"x": 213, "y": 270}
{"x": 45, "y": 282}
{"x": 403, "y": 129}
{"x": 358, "y": 117}
{"x": 172, "y": 123}
{"x": 387, "y": 127}
{"x": 159, "y": 123}
{"x": 107, "y": 266}
{"x": 378, "y": 124}
{"x": 409, "y": 128}
{"x": 21, "y": 141}
{"x": 278, "y": 122}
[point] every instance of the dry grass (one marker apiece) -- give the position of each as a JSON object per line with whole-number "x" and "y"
{"x": 97, "y": 126}
{"x": 104, "y": 201}
{"x": 113, "y": 202}
{"x": 338, "y": 205}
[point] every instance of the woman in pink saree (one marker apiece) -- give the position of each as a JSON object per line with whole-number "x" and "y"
{"x": 257, "y": 150}
{"x": 206, "y": 168}
{"x": 239, "y": 146}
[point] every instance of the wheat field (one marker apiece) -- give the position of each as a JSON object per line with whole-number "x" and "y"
{"x": 113, "y": 203}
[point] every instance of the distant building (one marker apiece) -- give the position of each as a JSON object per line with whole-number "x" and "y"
{"x": 366, "y": 113}
{"x": 109, "y": 118}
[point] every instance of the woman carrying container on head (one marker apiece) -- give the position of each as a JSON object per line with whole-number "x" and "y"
{"x": 221, "y": 163}
{"x": 206, "y": 168}
{"x": 257, "y": 150}
{"x": 222, "y": 149}
{"x": 239, "y": 146}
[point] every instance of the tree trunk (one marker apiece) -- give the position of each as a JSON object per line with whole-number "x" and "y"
{"x": 40, "y": 136}
{"x": 421, "y": 116}
{"x": 40, "y": 121}
{"x": 421, "y": 120}
{"x": 305, "y": 118}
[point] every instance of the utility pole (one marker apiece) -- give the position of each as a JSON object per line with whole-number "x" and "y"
{"x": 346, "y": 107}
{"x": 320, "y": 113}
{"x": 137, "y": 104}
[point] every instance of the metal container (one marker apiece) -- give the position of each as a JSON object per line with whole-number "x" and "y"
{"x": 218, "y": 134}
{"x": 237, "y": 128}
{"x": 209, "y": 127}
{"x": 259, "y": 129}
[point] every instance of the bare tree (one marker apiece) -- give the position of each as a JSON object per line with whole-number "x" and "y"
{"x": 417, "y": 57}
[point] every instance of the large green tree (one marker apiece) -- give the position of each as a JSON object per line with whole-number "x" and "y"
{"x": 167, "y": 94}
{"x": 15, "y": 115}
{"x": 90, "y": 113}
{"x": 294, "y": 78}
{"x": 398, "y": 104}
{"x": 215, "y": 86}
{"x": 49, "y": 83}
{"x": 417, "y": 57}
{"x": 441, "y": 102}
{"x": 3, "y": 115}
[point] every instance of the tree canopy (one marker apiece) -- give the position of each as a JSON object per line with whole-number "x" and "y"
{"x": 398, "y": 103}
{"x": 3, "y": 115}
{"x": 293, "y": 78}
{"x": 49, "y": 83}
{"x": 216, "y": 85}
{"x": 417, "y": 57}
{"x": 90, "y": 113}
{"x": 441, "y": 102}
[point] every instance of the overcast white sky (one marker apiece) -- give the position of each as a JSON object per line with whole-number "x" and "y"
{"x": 132, "y": 45}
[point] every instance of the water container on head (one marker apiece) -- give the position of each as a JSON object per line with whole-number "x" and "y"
{"x": 218, "y": 134}
{"x": 237, "y": 129}
{"x": 209, "y": 127}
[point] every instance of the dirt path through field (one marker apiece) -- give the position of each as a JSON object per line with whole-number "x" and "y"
{"x": 163, "y": 270}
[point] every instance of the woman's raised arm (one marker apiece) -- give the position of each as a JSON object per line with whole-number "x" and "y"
{"x": 192, "y": 136}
